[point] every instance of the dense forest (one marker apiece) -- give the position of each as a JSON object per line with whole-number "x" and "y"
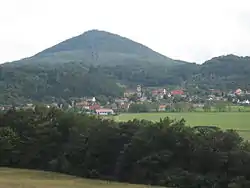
{"x": 43, "y": 82}
{"x": 165, "y": 153}
{"x": 48, "y": 83}
{"x": 98, "y": 63}
{"x": 225, "y": 72}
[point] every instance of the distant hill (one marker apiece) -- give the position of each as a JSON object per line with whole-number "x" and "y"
{"x": 224, "y": 72}
{"x": 228, "y": 71}
{"x": 99, "y": 48}
{"x": 63, "y": 70}
{"x": 98, "y": 62}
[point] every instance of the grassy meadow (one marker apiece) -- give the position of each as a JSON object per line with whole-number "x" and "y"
{"x": 16, "y": 178}
{"x": 239, "y": 121}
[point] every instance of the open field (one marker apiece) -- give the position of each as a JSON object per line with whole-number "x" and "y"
{"x": 239, "y": 121}
{"x": 233, "y": 108}
{"x": 13, "y": 178}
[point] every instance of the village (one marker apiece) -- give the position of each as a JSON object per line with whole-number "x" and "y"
{"x": 152, "y": 100}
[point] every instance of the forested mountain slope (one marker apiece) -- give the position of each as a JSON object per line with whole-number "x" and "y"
{"x": 95, "y": 62}
{"x": 64, "y": 69}
{"x": 96, "y": 47}
{"x": 224, "y": 72}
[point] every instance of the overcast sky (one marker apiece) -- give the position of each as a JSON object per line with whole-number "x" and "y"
{"x": 191, "y": 30}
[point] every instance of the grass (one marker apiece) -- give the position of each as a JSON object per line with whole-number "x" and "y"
{"x": 17, "y": 178}
{"x": 233, "y": 108}
{"x": 239, "y": 121}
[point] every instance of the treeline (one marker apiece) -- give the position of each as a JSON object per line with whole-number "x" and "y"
{"x": 165, "y": 153}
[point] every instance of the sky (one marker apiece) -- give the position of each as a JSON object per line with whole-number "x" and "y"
{"x": 190, "y": 30}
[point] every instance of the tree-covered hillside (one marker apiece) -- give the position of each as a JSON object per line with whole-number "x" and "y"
{"x": 66, "y": 70}
{"x": 225, "y": 72}
{"x": 99, "y": 48}
{"x": 63, "y": 70}
{"x": 43, "y": 83}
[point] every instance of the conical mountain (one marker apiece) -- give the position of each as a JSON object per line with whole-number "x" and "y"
{"x": 98, "y": 63}
{"x": 100, "y": 48}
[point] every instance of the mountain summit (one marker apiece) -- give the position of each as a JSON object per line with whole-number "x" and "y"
{"x": 91, "y": 64}
{"x": 102, "y": 41}
{"x": 100, "y": 48}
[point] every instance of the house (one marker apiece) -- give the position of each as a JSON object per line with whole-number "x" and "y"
{"x": 246, "y": 102}
{"x": 155, "y": 92}
{"x": 81, "y": 104}
{"x": 162, "y": 108}
{"x": 159, "y": 92}
{"x": 177, "y": 92}
{"x": 124, "y": 106}
{"x": 104, "y": 111}
{"x": 94, "y": 107}
{"x": 238, "y": 92}
{"x": 84, "y": 102}
{"x": 85, "y": 107}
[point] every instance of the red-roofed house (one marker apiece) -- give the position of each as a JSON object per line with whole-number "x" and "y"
{"x": 95, "y": 107}
{"x": 159, "y": 92}
{"x": 81, "y": 104}
{"x": 155, "y": 92}
{"x": 238, "y": 92}
{"x": 177, "y": 92}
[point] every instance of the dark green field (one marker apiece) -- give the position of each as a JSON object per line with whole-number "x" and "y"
{"x": 239, "y": 121}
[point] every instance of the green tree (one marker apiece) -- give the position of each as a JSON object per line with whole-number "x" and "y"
{"x": 133, "y": 98}
{"x": 137, "y": 108}
{"x": 207, "y": 107}
{"x": 166, "y": 153}
{"x": 220, "y": 106}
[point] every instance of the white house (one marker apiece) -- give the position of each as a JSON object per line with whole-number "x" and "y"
{"x": 104, "y": 111}
{"x": 246, "y": 102}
